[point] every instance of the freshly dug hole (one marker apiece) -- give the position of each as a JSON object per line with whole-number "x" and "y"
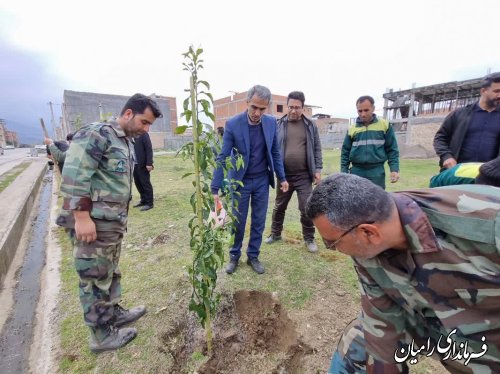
{"x": 252, "y": 333}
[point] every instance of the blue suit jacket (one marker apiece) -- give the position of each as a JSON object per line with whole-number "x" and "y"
{"x": 236, "y": 140}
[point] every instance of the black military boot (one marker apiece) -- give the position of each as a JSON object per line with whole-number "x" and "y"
{"x": 108, "y": 338}
{"x": 122, "y": 316}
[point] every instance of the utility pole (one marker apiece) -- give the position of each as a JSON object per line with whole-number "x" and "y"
{"x": 44, "y": 129}
{"x": 52, "y": 120}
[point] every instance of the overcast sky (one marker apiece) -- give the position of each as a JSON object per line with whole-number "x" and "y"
{"x": 333, "y": 51}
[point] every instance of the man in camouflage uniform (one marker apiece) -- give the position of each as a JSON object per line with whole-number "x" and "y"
{"x": 96, "y": 187}
{"x": 428, "y": 262}
{"x": 56, "y": 150}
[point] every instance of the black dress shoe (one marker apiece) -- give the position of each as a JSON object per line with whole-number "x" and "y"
{"x": 231, "y": 267}
{"x": 256, "y": 265}
{"x": 138, "y": 205}
{"x": 146, "y": 207}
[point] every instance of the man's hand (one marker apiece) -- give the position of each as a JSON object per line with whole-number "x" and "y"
{"x": 47, "y": 141}
{"x": 317, "y": 178}
{"x": 449, "y": 163}
{"x": 84, "y": 226}
{"x": 394, "y": 176}
{"x": 284, "y": 186}
{"x": 149, "y": 168}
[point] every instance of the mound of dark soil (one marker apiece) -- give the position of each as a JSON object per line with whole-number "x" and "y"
{"x": 251, "y": 333}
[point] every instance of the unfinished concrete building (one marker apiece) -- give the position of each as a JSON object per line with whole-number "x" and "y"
{"x": 418, "y": 112}
{"x": 80, "y": 108}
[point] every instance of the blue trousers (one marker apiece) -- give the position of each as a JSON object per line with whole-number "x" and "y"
{"x": 254, "y": 192}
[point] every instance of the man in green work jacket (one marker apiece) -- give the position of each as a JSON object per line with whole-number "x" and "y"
{"x": 469, "y": 173}
{"x": 369, "y": 144}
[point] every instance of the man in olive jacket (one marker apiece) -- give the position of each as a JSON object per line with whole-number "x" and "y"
{"x": 300, "y": 147}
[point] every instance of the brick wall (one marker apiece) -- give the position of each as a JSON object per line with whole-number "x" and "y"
{"x": 158, "y": 139}
{"x": 423, "y": 135}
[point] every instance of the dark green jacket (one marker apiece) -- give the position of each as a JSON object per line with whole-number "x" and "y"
{"x": 465, "y": 173}
{"x": 370, "y": 145}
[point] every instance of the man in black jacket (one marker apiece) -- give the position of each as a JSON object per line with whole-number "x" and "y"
{"x": 472, "y": 133}
{"x": 300, "y": 147}
{"x": 144, "y": 166}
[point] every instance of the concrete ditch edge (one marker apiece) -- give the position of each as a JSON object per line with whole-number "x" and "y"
{"x": 12, "y": 235}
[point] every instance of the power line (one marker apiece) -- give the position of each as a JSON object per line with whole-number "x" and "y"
{"x": 94, "y": 105}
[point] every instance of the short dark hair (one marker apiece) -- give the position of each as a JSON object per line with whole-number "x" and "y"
{"x": 489, "y": 173}
{"x": 364, "y": 98}
{"x": 348, "y": 200}
{"x": 296, "y": 95}
{"x": 138, "y": 103}
{"x": 490, "y": 79}
{"x": 69, "y": 137}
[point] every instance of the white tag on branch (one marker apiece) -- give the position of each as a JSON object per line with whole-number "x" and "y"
{"x": 218, "y": 217}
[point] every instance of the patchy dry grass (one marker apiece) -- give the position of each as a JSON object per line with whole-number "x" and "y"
{"x": 7, "y": 178}
{"x": 319, "y": 291}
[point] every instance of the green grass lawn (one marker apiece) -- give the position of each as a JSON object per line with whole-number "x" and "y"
{"x": 154, "y": 262}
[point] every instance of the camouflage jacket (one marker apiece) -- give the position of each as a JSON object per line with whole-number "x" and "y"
{"x": 449, "y": 278}
{"x": 58, "y": 155}
{"x": 97, "y": 176}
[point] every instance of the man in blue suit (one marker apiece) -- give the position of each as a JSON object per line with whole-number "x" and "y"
{"x": 251, "y": 134}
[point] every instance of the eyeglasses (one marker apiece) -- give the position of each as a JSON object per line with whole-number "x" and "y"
{"x": 333, "y": 245}
{"x": 290, "y": 108}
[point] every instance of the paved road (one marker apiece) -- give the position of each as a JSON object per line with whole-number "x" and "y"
{"x": 13, "y": 157}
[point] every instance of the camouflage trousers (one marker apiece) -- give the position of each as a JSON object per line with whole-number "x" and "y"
{"x": 350, "y": 356}
{"x": 97, "y": 266}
